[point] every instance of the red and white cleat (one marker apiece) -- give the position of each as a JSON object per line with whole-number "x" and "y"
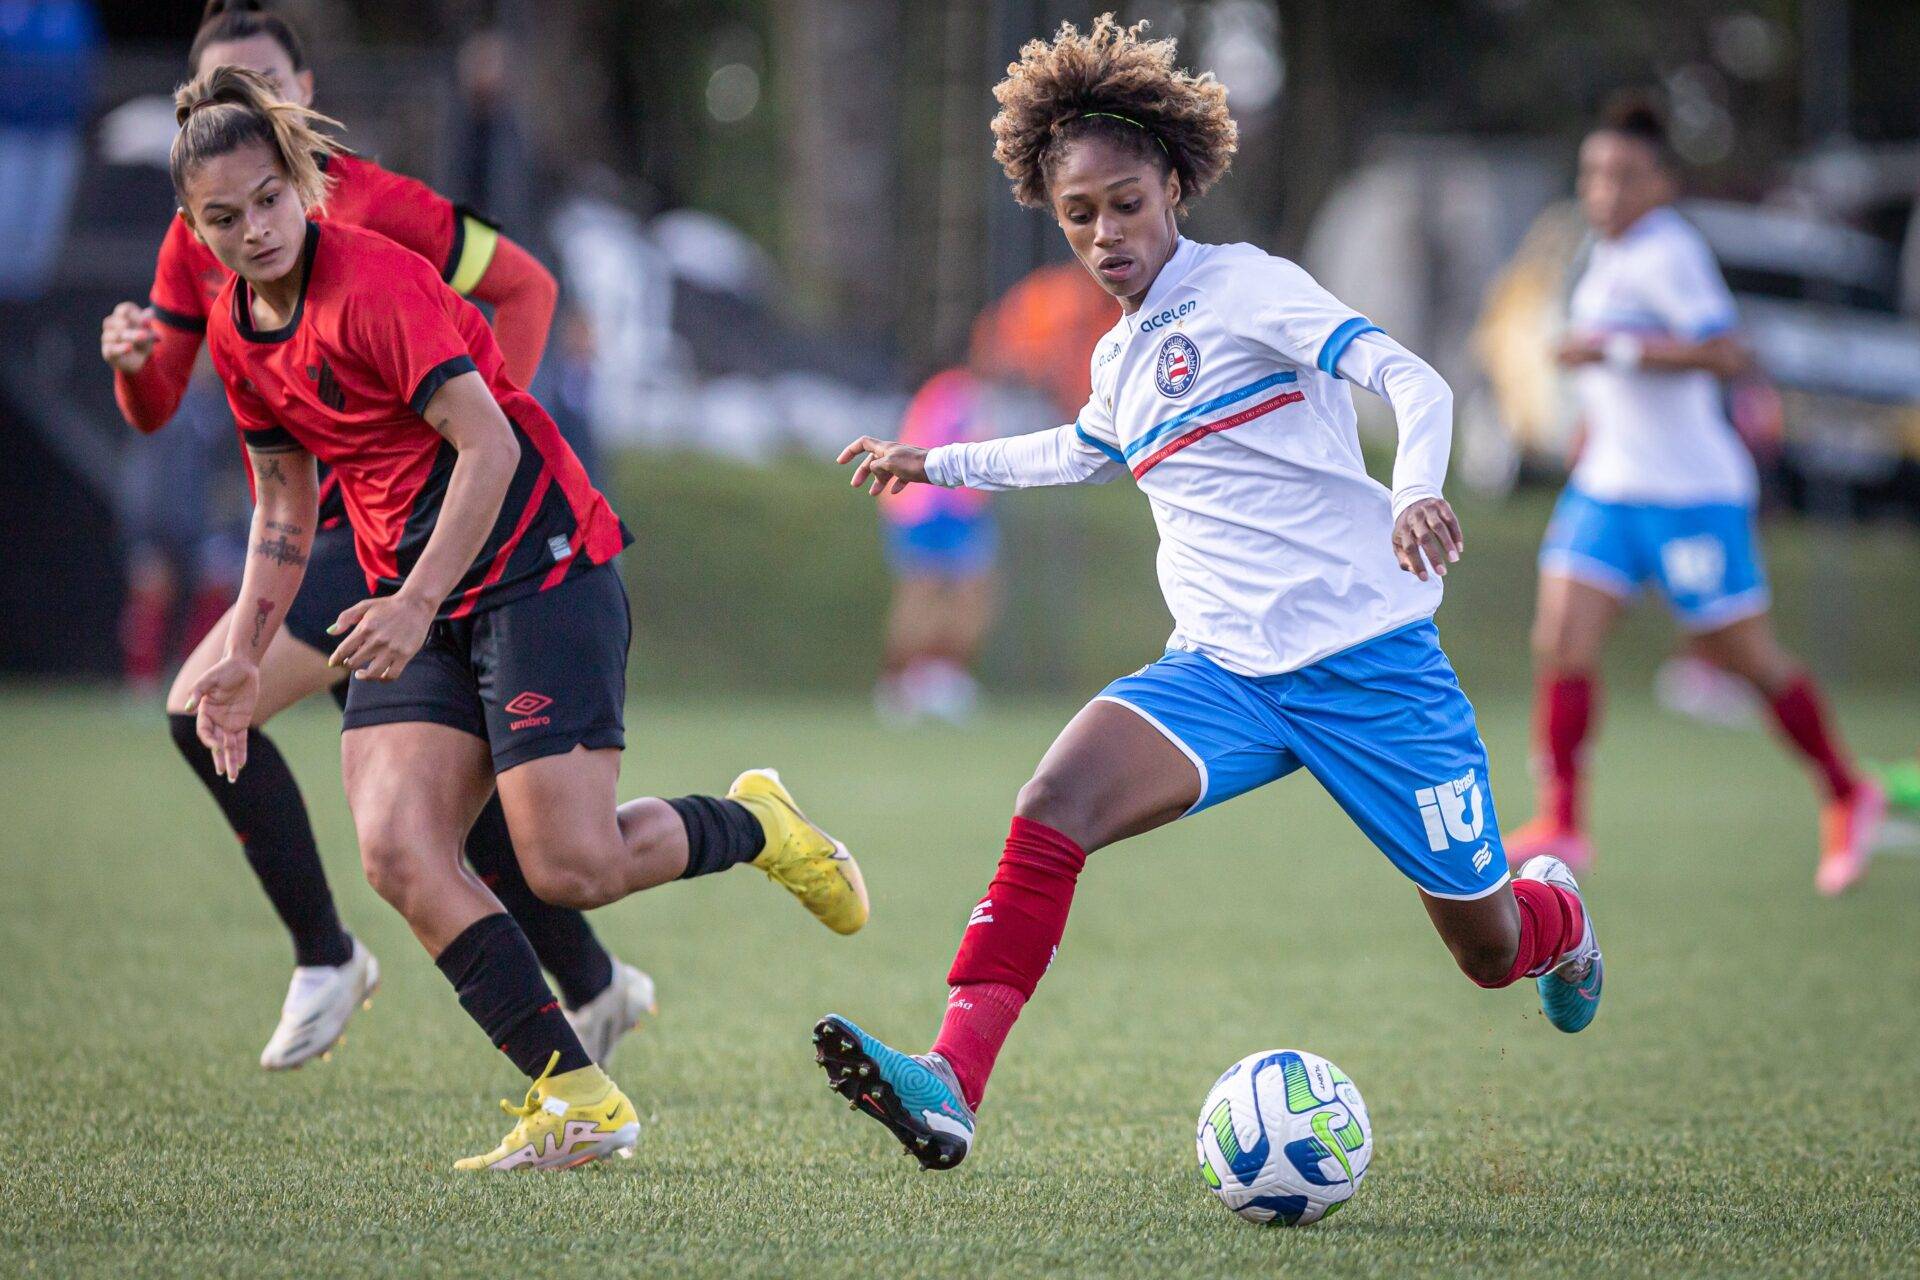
{"x": 1545, "y": 836}
{"x": 1848, "y": 829}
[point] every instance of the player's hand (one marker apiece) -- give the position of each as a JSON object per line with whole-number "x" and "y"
{"x": 1578, "y": 349}
{"x": 223, "y": 702}
{"x": 884, "y": 464}
{"x": 382, "y": 635}
{"x": 1427, "y": 533}
{"x": 127, "y": 336}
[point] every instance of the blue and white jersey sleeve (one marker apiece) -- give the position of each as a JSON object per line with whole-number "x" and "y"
{"x": 1287, "y": 312}
{"x": 1685, "y": 289}
{"x": 1064, "y": 455}
{"x": 1291, "y": 315}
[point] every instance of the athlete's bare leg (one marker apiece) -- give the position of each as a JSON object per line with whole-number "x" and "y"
{"x": 1572, "y": 621}
{"x": 291, "y": 672}
{"x": 1109, "y": 775}
{"x": 1748, "y": 649}
{"x": 578, "y": 845}
{"x": 415, "y": 790}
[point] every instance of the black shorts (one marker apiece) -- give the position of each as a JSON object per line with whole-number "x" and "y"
{"x": 537, "y": 676}
{"x": 334, "y": 580}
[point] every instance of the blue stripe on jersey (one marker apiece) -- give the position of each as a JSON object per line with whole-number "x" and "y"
{"x": 1101, "y": 445}
{"x": 1157, "y": 435}
{"x": 1339, "y": 340}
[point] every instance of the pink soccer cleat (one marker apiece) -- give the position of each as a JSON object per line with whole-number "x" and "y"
{"x": 1545, "y": 836}
{"x": 1848, "y": 829}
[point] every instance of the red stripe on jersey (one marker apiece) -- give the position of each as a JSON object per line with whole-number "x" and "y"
{"x": 1241, "y": 418}
{"x": 499, "y": 566}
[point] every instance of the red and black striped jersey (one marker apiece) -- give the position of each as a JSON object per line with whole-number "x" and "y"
{"x": 187, "y": 277}
{"x": 374, "y": 335}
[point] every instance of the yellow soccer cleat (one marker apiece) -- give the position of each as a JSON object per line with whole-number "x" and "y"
{"x": 567, "y": 1120}
{"x": 809, "y": 863}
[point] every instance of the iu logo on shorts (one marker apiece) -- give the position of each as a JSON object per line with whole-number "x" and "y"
{"x": 526, "y": 708}
{"x": 1177, "y": 366}
{"x": 1452, "y": 811}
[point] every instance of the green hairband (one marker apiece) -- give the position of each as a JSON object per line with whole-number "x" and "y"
{"x": 1109, "y": 115}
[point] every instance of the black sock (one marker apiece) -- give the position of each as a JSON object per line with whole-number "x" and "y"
{"x": 560, "y": 936}
{"x": 266, "y": 812}
{"x": 492, "y": 968}
{"x": 720, "y": 833}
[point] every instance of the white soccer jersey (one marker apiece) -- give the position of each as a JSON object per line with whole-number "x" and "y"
{"x": 1657, "y": 437}
{"x": 1220, "y": 396}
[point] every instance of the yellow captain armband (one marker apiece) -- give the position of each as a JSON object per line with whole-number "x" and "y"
{"x": 474, "y": 241}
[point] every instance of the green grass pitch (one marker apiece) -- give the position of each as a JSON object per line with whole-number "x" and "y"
{"x": 1747, "y": 1103}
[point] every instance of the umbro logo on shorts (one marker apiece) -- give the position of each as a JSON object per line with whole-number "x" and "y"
{"x": 527, "y": 708}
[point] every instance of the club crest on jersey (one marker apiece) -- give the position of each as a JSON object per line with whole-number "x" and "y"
{"x": 1177, "y": 366}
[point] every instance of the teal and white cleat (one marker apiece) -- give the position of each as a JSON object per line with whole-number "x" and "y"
{"x": 1570, "y": 992}
{"x": 916, "y": 1096}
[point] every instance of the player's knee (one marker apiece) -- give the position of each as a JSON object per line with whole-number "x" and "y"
{"x": 564, "y": 879}
{"x": 1046, "y": 801}
{"x": 1487, "y": 962}
{"x": 392, "y": 864}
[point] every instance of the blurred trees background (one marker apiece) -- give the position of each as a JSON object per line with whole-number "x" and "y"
{"x": 849, "y": 137}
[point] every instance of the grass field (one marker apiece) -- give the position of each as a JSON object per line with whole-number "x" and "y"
{"x": 1747, "y": 1103}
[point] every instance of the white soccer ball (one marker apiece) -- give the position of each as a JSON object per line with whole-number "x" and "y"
{"x": 1284, "y": 1138}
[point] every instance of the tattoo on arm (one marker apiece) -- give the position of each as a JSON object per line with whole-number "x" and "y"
{"x": 280, "y": 550}
{"x": 262, "y": 610}
{"x": 282, "y": 526}
{"x": 269, "y": 471}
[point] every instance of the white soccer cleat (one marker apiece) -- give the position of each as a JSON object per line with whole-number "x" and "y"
{"x": 319, "y": 1001}
{"x": 603, "y": 1020}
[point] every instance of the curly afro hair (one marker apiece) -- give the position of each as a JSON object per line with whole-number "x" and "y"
{"x": 1073, "y": 88}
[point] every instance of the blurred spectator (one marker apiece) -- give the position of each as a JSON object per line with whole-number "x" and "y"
{"x": 568, "y": 387}
{"x": 46, "y": 86}
{"x": 1042, "y": 334}
{"x": 941, "y": 545}
{"x": 491, "y": 164}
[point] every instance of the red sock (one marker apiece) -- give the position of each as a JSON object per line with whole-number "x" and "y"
{"x": 1802, "y": 717}
{"x": 1551, "y": 924}
{"x": 979, "y": 1015}
{"x": 1563, "y": 716}
{"x": 1009, "y": 942}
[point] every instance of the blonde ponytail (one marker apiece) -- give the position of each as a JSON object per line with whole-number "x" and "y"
{"x": 231, "y": 107}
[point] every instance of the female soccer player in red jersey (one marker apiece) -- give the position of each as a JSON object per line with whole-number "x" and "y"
{"x": 492, "y": 651}
{"x": 1302, "y": 590}
{"x": 153, "y": 352}
{"x": 1664, "y": 493}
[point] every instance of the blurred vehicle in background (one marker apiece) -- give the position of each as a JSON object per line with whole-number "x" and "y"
{"x": 1836, "y": 422}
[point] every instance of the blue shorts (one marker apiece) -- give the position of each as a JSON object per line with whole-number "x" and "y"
{"x": 947, "y": 546}
{"x": 1383, "y": 726}
{"x": 1705, "y": 559}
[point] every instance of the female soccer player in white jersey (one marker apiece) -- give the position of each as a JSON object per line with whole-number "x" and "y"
{"x": 1302, "y": 591}
{"x": 1665, "y": 493}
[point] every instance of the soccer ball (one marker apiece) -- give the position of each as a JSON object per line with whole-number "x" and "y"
{"x": 1284, "y": 1138}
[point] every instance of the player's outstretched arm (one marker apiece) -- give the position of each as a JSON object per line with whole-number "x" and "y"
{"x": 383, "y": 635}
{"x": 285, "y": 514}
{"x": 523, "y": 295}
{"x": 1056, "y": 457}
{"x": 1426, "y": 532}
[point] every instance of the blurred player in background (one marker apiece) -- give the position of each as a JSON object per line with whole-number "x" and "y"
{"x": 940, "y": 545}
{"x": 1664, "y": 492}
{"x": 492, "y": 652}
{"x": 153, "y": 351}
{"x": 1302, "y": 590}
